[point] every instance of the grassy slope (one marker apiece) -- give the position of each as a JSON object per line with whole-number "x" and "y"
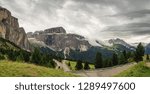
{"x": 139, "y": 70}
{"x": 18, "y": 69}
{"x": 73, "y": 64}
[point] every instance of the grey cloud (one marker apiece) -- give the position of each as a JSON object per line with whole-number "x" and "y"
{"x": 86, "y": 17}
{"x": 122, "y": 5}
{"x": 12, "y": 4}
{"x": 130, "y": 29}
{"x": 133, "y": 14}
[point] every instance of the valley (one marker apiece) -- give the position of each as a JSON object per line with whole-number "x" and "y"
{"x": 53, "y": 52}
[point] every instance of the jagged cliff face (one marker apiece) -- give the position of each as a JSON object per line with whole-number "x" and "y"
{"x": 59, "y": 40}
{"x": 10, "y": 30}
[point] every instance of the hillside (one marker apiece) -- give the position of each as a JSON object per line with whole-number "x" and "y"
{"x": 7, "y": 44}
{"x": 139, "y": 70}
{"x": 9, "y": 50}
{"x": 19, "y": 69}
{"x": 10, "y": 66}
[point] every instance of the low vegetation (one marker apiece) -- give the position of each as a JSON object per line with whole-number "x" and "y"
{"x": 20, "y": 69}
{"x": 139, "y": 70}
{"x": 73, "y": 64}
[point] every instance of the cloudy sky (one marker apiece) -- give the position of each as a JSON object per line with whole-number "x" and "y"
{"x": 94, "y": 19}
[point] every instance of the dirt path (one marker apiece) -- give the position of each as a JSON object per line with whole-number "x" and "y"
{"x": 148, "y": 64}
{"x": 105, "y": 72}
{"x": 65, "y": 66}
{"x": 62, "y": 65}
{"x": 58, "y": 64}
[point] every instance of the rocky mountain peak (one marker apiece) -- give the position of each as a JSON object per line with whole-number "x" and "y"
{"x": 116, "y": 41}
{"x": 57, "y": 39}
{"x": 55, "y": 30}
{"x": 119, "y": 41}
{"x": 49, "y": 31}
{"x": 10, "y": 30}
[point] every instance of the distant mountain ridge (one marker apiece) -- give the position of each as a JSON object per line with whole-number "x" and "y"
{"x": 117, "y": 45}
{"x": 74, "y": 46}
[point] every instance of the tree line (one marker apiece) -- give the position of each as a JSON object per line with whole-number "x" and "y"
{"x": 117, "y": 58}
{"x": 121, "y": 58}
{"x": 36, "y": 57}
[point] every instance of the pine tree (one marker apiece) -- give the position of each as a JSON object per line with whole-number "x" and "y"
{"x": 123, "y": 58}
{"x": 115, "y": 59}
{"x": 26, "y": 56}
{"x": 99, "y": 61}
{"x": 12, "y": 55}
{"x": 110, "y": 63}
{"x": 139, "y": 53}
{"x": 2, "y": 57}
{"x": 79, "y": 65}
{"x": 106, "y": 63}
{"x": 147, "y": 57}
{"x": 69, "y": 64}
{"x": 86, "y": 66}
{"x": 44, "y": 60}
{"x": 20, "y": 57}
{"x": 36, "y": 56}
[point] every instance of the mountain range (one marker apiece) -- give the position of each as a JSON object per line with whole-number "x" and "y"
{"x": 75, "y": 47}
{"x": 57, "y": 41}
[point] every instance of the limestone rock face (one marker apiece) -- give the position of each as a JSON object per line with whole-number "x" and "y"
{"x": 57, "y": 39}
{"x": 4, "y": 14}
{"x": 55, "y": 30}
{"x": 10, "y": 30}
{"x": 50, "y": 31}
{"x": 2, "y": 30}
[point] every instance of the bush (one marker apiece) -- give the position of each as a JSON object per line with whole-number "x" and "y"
{"x": 2, "y": 57}
{"x": 115, "y": 59}
{"x": 99, "y": 61}
{"x": 79, "y": 65}
{"x": 86, "y": 66}
{"x": 69, "y": 64}
{"x": 36, "y": 56}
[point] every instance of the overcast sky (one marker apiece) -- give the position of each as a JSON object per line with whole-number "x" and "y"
{"x": 94, "y": 19}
